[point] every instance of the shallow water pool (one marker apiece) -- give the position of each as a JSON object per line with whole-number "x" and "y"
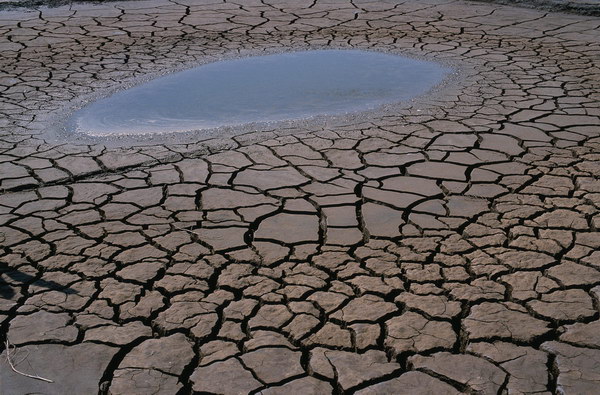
{"x": 286, "y": 86}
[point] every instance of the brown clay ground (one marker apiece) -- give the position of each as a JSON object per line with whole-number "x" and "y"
{"x": 449, "y": 247}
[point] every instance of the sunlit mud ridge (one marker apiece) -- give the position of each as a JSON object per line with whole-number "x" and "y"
{"x": 451, "y": 247}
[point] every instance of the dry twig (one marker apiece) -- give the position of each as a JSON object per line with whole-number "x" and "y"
{"x": 12, "y": 366}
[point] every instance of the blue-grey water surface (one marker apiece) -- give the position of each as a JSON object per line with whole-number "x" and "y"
{"x": 278, "y": 87}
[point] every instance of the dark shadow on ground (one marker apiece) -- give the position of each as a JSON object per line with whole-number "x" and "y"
{"x": 7, "y": 291}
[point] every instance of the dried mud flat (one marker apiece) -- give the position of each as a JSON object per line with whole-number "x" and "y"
{"x": 447, "y": 247}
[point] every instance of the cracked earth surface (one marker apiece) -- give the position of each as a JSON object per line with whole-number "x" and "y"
{"x": 448, "y": 247}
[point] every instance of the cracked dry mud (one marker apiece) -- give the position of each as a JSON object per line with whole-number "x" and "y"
{"x": 450, "y": 246}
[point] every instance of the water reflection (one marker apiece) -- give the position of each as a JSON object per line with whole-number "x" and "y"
{"x": 277, "y": 87}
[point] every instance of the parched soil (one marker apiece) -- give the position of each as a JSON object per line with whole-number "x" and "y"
{"x": 450, "y": 246}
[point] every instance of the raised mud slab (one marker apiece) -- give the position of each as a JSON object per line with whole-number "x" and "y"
{"x": 448, "y": 246}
